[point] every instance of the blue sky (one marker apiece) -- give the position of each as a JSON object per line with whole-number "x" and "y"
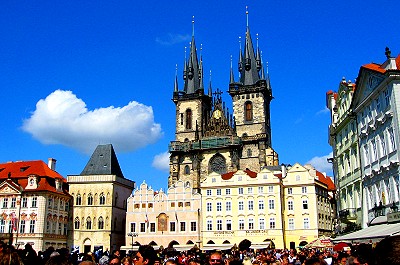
{"x": 74, "y": 74}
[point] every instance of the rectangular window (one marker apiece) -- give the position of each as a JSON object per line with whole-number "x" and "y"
{"x": 142, "y": 227}
{"x": 251, "y": 205}
{"x": 270, "y": 189}
{"x": 32, "y": 226}
{"x": 172, "y": 227}
{"x": 13, "y": 202}
{"x": 22, "y": 227}
{"x": 241, "y": 224}
{"x": 34, "y": 202}
{"x": 193, "y": 226}
{"x": 172, "y": 204}
{"x": 10, "y": 226}
{"x": 228, "y": 191}
{"x": 187, "y": 204}
{"x": 218, "y": 191}
{"x": 2, "y": 225}
{"x": 260, "y": 190}
{"x": 183, "y": 226}
{"x": 272, "y": 223}
{"x": 306, "y": 223}
{"x": 133, "y": 227}
{"x": 240, "y": 190}
{"x": 65, "y": 229}
{"x": 271, "y": 204}
{"x": 251, "y": 223}
{"x": 152, "y": 227}
{"x": 208, "y": 192}
{"x": 228, "y": 206}
{"x": 60, "y": 226}
{"x": 387, "y": 98}
{"x": 304, "y": 189}
{"x": 180, "y": 204}
{"x": 305, "y": 204}
{"x": 250, "y": 190}
{"x": 241, "y": 206}
{"x": 48, "y": 227}
{"x": 50, "y": 203}
{"x": 209, "y": 206}
{"x": 219, "y": 225}
{"x": 228, "y": 225}
{"x": 219, "y": 206}
{"x": 291, "y": 224}
{"x": 290, "y": 190}
{"x": 209, "y": 225}
{"x": 262, "y": 223}
{"x": 24, "y": 202}
{"x": 5, "y": 202}
{"x": 290, "y": 205}
{"x": 261, "y": 205}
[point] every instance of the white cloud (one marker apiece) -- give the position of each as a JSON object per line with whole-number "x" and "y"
{"x": 62, "y": 118}
{"x": 172, "y": 39}
{"x": 321, "y": 163}
{"x": 161, "y": 162}
{"x": 323, "y": 111}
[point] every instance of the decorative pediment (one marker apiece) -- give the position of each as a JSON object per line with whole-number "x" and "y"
{"x": 367, "y": 82}
{"x": 9, "y": 187}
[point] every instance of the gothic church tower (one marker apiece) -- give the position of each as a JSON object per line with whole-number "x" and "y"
{"x": 210, "y": 139}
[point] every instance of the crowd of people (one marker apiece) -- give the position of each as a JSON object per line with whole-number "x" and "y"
{"x": 386, "y": 252}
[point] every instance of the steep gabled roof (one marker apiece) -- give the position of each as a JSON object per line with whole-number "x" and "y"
{"x": 103, "y": 162}
{"x": 326, "y": 180}
{"x": 229, "y": 175}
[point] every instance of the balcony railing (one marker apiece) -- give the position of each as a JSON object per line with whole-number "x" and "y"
{"x": 216, "y": 142}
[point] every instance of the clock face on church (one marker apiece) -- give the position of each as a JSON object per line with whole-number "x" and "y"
{"x": 217, "y": 114}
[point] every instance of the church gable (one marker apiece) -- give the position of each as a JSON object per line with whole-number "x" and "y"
{"x": 9, "y": 187}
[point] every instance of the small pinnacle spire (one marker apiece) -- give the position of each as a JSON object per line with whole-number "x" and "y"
{"x": 193, "y": 26}
{"x": 176, "y": 79}
{"x": 210, "y": 87}
{"x": 232, "y": 77}
{"x": 185, "y": 67}
{"x": 240, "y": 55}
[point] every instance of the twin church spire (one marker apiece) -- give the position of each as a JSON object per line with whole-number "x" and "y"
{"x": 250, "y": 66}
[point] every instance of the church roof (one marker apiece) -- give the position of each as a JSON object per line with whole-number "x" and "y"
{"x": 103, "y": 162}
{"x": 326, "y": 180}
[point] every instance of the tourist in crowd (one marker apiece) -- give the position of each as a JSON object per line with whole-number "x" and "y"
{"x": 126, "y": 261}
{"x": 146, "y": 255}
{"x": 387, "y": 251}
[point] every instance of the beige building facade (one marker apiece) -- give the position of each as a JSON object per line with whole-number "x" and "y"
{"x": 99, "y": 203}
{"x": 35, "y": 205}
{"x": 171, "y": 219}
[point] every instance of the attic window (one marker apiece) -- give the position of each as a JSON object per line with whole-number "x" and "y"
{"x": 22, "y": 169}
{"x": 101, "y": 155}
{"x": 105, "y": 166}
{"x": 1, "y": 169}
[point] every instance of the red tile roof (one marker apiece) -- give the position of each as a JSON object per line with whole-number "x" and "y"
{"x": 326, "y": 180}
{"x": 229, "y": 175}
{"x": 378, "y": 68}
{"x": 19, "y": 172}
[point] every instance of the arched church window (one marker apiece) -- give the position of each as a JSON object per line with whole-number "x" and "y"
{"x": 217, "y": 164}
{"x": 102, "y": 199}
{"x": 90, "y": 199}
{"x": 78, "y": 199}
{"x": 88, "y": 223}
{"x": 187, "y": 170}
{"x": 77, "y": 223}
{"x": 248, "y": 111}
{"x": 188, "y": 119}
{"x": 101, "y": 223}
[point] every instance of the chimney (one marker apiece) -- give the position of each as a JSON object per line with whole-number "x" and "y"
{"x": 52, "y": 163}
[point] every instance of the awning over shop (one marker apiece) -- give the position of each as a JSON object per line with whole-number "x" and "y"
{"x": 260, "y": 245}
{"x": 183, "y": 247}
{"x": 217, "y": 247}
{"x": 370, "y": 234}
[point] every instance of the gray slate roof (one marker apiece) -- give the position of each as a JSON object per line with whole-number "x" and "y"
{"x": 103, "y": 162}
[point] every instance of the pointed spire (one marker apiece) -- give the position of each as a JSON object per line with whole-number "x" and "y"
{"x": 201, "y": 68}
{"x": 176, "y": 79}
{"x": 258, "y": 56}
{"x": 193, "y": 79}
{"x": 210, "y": 87}
{"x": 240, "y": 64}
{"x": 249, "y": 75}
{"x": 262, "y": 68}
{"x": 232, "y": 77}
{"x": 185, "y": 67}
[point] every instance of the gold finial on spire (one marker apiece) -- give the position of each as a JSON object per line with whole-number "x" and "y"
{"x": 257, "y": 39}
{"x": 193, "y": 26}
{"x": 240, "y": 42}
{"x": 247, "y": 16}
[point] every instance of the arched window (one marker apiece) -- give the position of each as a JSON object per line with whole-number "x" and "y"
{"x": 187, "y": 170}
{"x": 217, "y": 164}
{"x": 90, "y": 199}
{"x": 102, "y": 199}
{"x": 78, "y": 199}
{"x": 101, "y": 223}
{"x": 188, "y": 119}
{"x": 248, "y": 111}
{"x": 88, "y": 223}
{"x": 77, "y": 223}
